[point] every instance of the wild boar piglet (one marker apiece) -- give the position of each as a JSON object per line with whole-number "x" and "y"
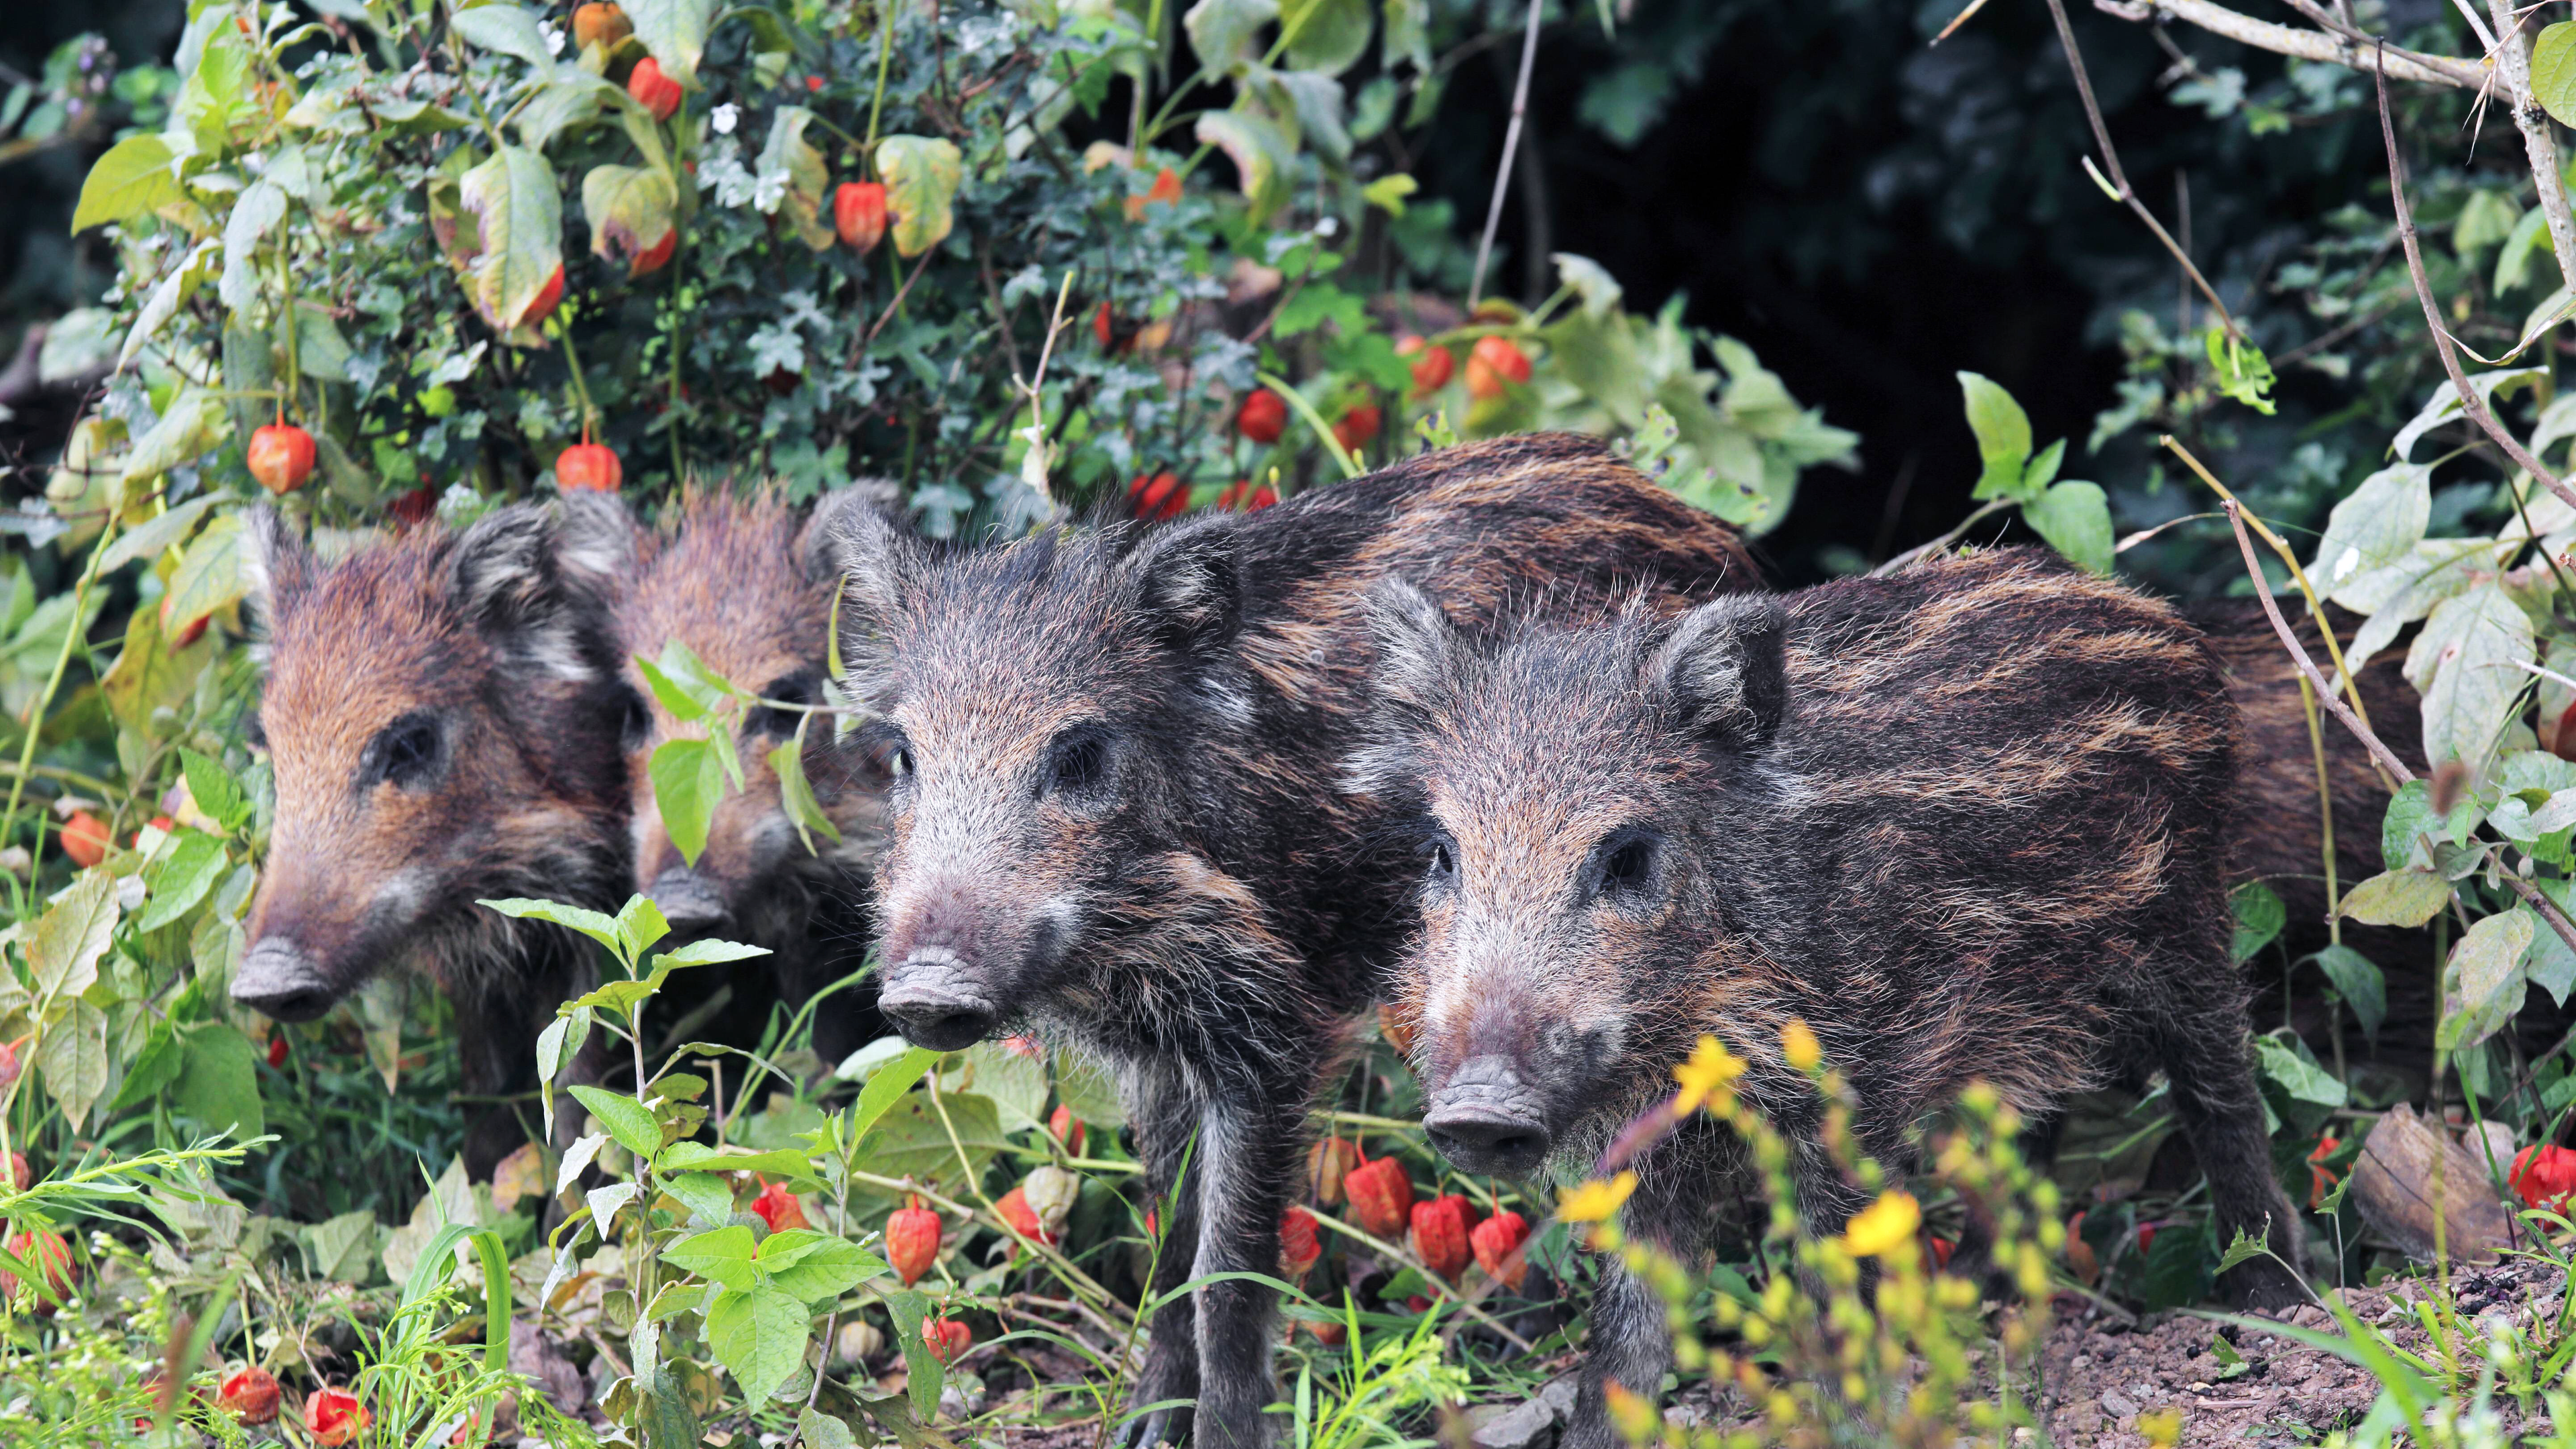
{"x": 1968, "y": 822}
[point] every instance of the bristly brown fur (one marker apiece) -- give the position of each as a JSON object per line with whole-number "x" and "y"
{"x": 1969, "y": 822}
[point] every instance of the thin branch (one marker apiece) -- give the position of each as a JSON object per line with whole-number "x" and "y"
{"x": 2513, "y": 63}
{"x": 2540, "y": 904}
{"x": 2470, "y": 400}
{"x": 2345, "y": 46}
{"x": 1511, "y": 144}
{"x": 2118, "y": 186}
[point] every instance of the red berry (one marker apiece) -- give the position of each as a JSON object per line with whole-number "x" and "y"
{"x": 1242, "y": 497}
{"x": 250, "y": 1396}
{"x": 590, "y": 467}
{"x": 655, "y": 257}
{"x": 1298, "y": 1247}
{"x": 1158, "y": 497}
{"x": 543, "y": 304}
{"x": 1381, "y": 1196}
{"x": 599, "y": 23}
{"x": 1327, "y": 1163}
{"x": 1432, "y": 367}
{"x": 85, "y": 839}
{"x": 859, "y": 214}
{"x": 2544, "y": 1176}
{"x": 1015, "y": 1210}
{"x": 652, "y": 90}
{"x": 1263, "y": 418}
{"x": 277, "y": 1050}
{"x": 334, "y": 1417}
{"x": 190, "y": 632}
{"x": 281, "y": 457}
{"x": 947, "y": 1339}
{"x": 813, "y": 82}
{"x": 1440, "y": 1235}
{"x": 415, "y": 506}
{"x": 779, "y": 1208}
{"x": 50, "y": 1256}
{"x": 1493, "y": 363}
{"x": 1103, "y": 327}
{"x": 1497, "y": 1241}
{"x": 912, "y": 1242}
{"x": 1068, "y": 1129}
{"x": 1357, "y": 427}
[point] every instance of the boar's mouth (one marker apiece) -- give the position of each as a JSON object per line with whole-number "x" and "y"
{"x": 1488, "y": 1120}
{"x": 280, "y": 981}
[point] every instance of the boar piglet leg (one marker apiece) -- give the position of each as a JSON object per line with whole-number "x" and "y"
{"x": 1166, "y": 1119}
{"x": 1631, "y": 1336}
{"x": 1248, "y": 1150}
{"x": 2208, "y": 1062}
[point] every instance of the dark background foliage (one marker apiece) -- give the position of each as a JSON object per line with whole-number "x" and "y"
{"x": 1871, "y": 213}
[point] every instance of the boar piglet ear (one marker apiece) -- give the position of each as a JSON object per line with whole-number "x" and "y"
{"x": 1721, "y": 669}
{"x": 598, "y": 540}
{"x": 878, "y": 558}
{"x": 1415, "y": 642}
{"x": 818, "y": 547}
{"x": 510, "y": 584}
{"x": 1190, "y": 586}
{"x": 279, "y": 565}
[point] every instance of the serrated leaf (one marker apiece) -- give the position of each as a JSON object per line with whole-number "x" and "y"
{"x": 759, "y": 1336}
{"x": 626, "y": 1119}
{"x": 73, "y": 933}
{"x": 131, "y": 181}
{"x": 2075, "y": 519}
{"x": 519, "y": 234}
{"x": 181, "y": 879}
{"x": 921, "y": 177}
{"x": 2003, "y": 435}
{"x": 2397, "y": 898}
{"x": 2245, "y": 1249}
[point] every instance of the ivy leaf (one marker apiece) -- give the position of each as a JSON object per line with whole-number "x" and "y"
{"x": 2075, "y": 519}
{"x": 759, "y": 1336}
{"x": 2003, "y": 435}
{"x": 130, "y": 182}
{"x": 2397, "y": 898}
{"x": 519, "y": 231}
{"x": 921, "y": 176}
{"x": 626, "y": 1119}
{"x": 71, "y": 935}
{"x": 688, "y": 780}
{"x": 629, "y": 209}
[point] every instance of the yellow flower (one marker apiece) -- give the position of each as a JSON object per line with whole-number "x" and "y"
{"x": 2162, "y": 1427}
{"x": 1631, "y": 1412}
{"x": 1595, "y": 1201}
{"x": 1710, "y": 1068}
{"x": 1798, "y": 1046}
{"x": 1883, "y": 1225}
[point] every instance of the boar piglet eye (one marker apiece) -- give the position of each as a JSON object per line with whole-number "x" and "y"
{"x": 634, "y": 721}
{"x": 1077, "y": 761}
{"x": 406, "y": 752}
{"x": 884, "y": 751}
{"x": 1440, "y": 859}
{"x": 1622, "y": 867}
{"x": 797, "y": 688}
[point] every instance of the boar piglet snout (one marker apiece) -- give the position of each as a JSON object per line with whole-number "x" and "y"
{"x": 279, "y": 980}
{"x": 958, "y": 968}
{"x": 1488, "y": 1119}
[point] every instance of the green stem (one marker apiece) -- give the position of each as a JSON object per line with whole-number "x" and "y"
{"x": 885, "y": 58}
{"x": 35, "y": 721}
{"x": 580, "y": 387}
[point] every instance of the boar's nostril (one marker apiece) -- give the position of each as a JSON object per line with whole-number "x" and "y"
{"x": 1486, "y": 1120}
{"x": 933, "y": 1006}
{"x": 688, "y": 901}
{"x": 278, "y": 980}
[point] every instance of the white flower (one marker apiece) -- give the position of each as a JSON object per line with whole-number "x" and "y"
{"x": 554, "y": 38}
{"x": 724, "y": 118}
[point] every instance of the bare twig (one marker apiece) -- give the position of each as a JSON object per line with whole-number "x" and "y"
{"x": 2513, "y": 64}
{"x": 2541, "y": 905}
{"x": 1511, "y": 144}
{"x": 2470, "y": 401}
{"x": 2346, "y": 47}
{"x": 2118, "y": 185}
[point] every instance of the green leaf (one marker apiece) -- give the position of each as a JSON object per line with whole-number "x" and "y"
{"x": 724, "y": 1256}
{"x": 2259, "y": 918}
{"x": 699, "y": 1157}
{"x": 2377, "y": 526}
{"x": 629, "y": 208}
{"x": 1226, "y": 34}
{"x": 598, "y": 927}
{"x": 2553, "y": 76}
{"x": 822, "y": 1431}
{"x": 131, "y": 181}
{"x": 2483, "y": 985}
{"x": 191, "y": 428}
{"x": 153, "y": 1070}
{"x": 910, "y": 1138}
{"x": 2295, "y": 1074}
{"x": 219, "y": 796}
{"x": 2003, "y": 435}
{"x": 626, "y": 1119}
{"x": 924, "y": 1372}
{"x": 675, "y": 32}
{"x": 2551, "y": 965}
{"x": 2245, "y": 1249}
{"x": 149, "y": 539}
{"x": 208, "y": 578}
{"x": 218, "y": 1085}
{"x": 796, "y": 795}
{"x": 921, "y": 176}
{"x": 63, "y": 949}
{"x": 709, "y": 953}
{"x": 519, "y": 233}
{"x": 73, "y": 1055}
{"x": 2397, "y": 898}
{"x": 831, "y": 1268}
{"x": 557, "y": 1046}
{"x": 2410, "y": 814}
{"x": 2240, "y": 369}
{"x": 688, "y": 780}
{"x": 674, "y": 1300}
{"x": 1260, "y": 151}
{"x": 1325, "y": 35}
{"x": 1017, "y": 1084}
{"x": 789, "y": 154}
{"x": 2075, "y": 518}
{"x": 640, "y": 924}
{"x": 2359, "y": 983}
{"x": 707, "y": 1196}
{"x": 181, "y": 879}
{"x": 2464, "y": 662}
{"x": 759, "y": 1336}
{"x": 504, "y": 28}
{"x": 2043, "y": 469}
{"x": 678, "y": 690}
{"x": 1408, "y": 35}
{"x": 886, "y": 1086}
